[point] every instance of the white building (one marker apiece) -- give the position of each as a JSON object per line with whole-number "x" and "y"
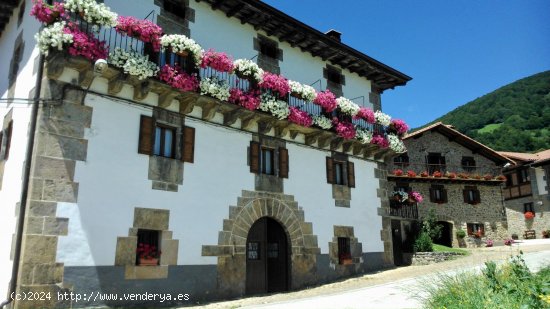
{"x": 238, "y": 201}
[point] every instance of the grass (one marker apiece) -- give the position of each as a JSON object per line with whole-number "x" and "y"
{"x": 489, "y": 128}
{"x": 512, "y": 285}
{"x": 441, "y": 248}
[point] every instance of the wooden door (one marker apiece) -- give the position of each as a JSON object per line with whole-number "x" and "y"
{"x": 397, "y": 242}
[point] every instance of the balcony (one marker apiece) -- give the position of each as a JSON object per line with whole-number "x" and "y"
{"x": 444, "y": 173}
{"x": 405, "y": 210}
{"x": 517, "y": 191}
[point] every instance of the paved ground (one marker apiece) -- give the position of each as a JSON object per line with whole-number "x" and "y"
{"x": 394, "y": 288}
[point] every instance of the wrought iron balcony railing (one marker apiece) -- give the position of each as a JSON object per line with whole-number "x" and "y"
{"x": 405, "y": 210}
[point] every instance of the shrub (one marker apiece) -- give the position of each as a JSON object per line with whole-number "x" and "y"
{"x": 460, "y": 233}
{"x": 423, "y": 243}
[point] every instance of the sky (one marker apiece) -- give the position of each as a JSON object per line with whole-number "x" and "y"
{"x": 455, "y": 50}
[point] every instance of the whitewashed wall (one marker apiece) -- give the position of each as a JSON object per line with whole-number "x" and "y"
{"x": 10, "y": 192}
{"x": 541, "y": 181}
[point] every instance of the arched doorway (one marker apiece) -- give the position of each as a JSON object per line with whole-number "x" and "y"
{"x": 267, "y": 257}
{"x": 446, "y": 238}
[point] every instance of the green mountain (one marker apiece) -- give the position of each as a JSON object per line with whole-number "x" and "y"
{"x": 515, "y": 117}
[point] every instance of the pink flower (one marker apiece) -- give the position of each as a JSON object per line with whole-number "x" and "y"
{"x": 217, "y": 61}
{"x": 366, "y": 114}
{"x": 143, "y": 29}
{"x": 400, "y": 126}
{"x": 417, "y": 197}
{"x": 248, "y": 100}
{"x": 300, "y": 117}
{"x": 275, "y": 83}
{"x": 380, "y": 141}
{"x": 85, "y": 45}
{"x": 45, "y": 13}
{"x": 326, "y": 100}
{"x": 345, "y": 130}
{"x": 181, "y": 81}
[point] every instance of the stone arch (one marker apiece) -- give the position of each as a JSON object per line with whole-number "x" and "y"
{"x": 231, "y": 247}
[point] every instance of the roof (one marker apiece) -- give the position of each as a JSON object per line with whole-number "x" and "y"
{"x": 533, "y": 158}
{"x": 288, "y": 29}
{"x": 464, "y": 140}
{"x": 6, "y": 10}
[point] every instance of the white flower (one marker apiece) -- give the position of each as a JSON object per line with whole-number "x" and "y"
{"x": 133, "y": 63}
{"x": 215, "y": 88}
{"x": 396, "y": 144}
{"x": 93, "y": 12}
{"x": 347, "y": 106}
{"x": 180, "y": 43}
{"x": 52, "y": 36}
{"x": 277, "y": 108}
{"x": 307, "y": 92}
{"x": 322, "y": 122}
{"x": 382, "y": 118}
{"x": 364, "y": 136}
{"x": 248, "y": 68}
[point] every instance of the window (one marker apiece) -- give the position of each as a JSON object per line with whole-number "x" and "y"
{"x": 523, "y": 176}
{"x": 528, "y": 207}
{"x": 264, "y": 160}
{"x": 253, "y": 251}
{"x": 334, "y": 76}
{"x": 436, "y": 162}
{"x": 438, "y": 194}
{"x": 5, "y": 141}
{"x": 269, "y": 49}
{"x": 335, "y": 79}
{"x": 471, "y": 195}
{"x": 267, "y": 161}
{"x": 402, "y": 187}
{"x": 476, "y": 229}
{"x": 148, "y": 247}
{"x": 468, "y": 164}
{"x": 401, "y": 161}
{"x": 340, "y": 172}
{"x": 165, "y": 141}
{"x": 344, "y": 250}
{"x": 175, "y": 7}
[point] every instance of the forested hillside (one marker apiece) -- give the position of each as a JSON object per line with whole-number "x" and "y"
{"x": 515, "y": 117}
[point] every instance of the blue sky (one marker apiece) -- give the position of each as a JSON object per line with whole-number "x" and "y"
{"x": 455, "y": 51}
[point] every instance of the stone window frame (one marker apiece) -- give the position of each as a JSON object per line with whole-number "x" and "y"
{"x": 341, "y": 193}
{"x": 334, "y": 86}
{"x": 279, "y": 158}
{"x": 375, "y": 98}
{"x": 471, "y": 195}
{"x": 473, "y": 227}
{"x": 266, "y": 61}
{"x": 433, "y": 194}
{"x": 126, "y": 246}
{"x": 175, "y": 23}
{"x": 356, "y": 248}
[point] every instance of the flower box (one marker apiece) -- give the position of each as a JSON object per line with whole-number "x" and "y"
{"x": 148, "y": 262}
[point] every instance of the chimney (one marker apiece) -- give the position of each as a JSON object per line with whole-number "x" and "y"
{"x": 333, "y": 34}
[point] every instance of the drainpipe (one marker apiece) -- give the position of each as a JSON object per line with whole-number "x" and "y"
{"x": 25, "y": 183}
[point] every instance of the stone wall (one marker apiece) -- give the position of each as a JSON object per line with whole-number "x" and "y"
{"x": 426, "y": 258}
{"x": 517, "y": 224}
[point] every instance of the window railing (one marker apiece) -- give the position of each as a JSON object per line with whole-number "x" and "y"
{"x": 403, "y": 209}
{"x": 521, "y": 190}
{"x": 114, "y": 40}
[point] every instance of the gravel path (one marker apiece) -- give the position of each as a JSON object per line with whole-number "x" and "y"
{"x": 478, "y": 256}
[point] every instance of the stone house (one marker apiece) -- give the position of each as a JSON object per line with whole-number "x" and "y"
{"x": 102, "y": 172}
{"x": 457, "y": 176}
{"x": 526, "y": 190}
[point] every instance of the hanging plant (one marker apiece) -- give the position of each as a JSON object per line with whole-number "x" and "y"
{"x": 300, "y": 117}
{"x": 92, "y": 12}
{"x": 217, "y": 61}
{"x": 180, "y": 44}
{"x": 46, "y": 13}
{"x": 142, "y": 29}
{"x": 326, "y": 100}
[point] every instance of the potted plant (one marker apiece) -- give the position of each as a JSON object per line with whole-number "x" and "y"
{"x": 515, "y": 236}
{"x": 400, "y": 196}
{"x": 529, "y": 215}
{"x": 437, "y": 174}
{"x": 148, "y": 255}
{"x": 489, "y": 243}
{"x": 501, "y": 177}
{"x": 415, "y": 197}
{"x": 424, "y": 174}
{"x": 509, "y": 242}
{"x": 460, "y": 233}
{"x": 411, "y": 173}
{"x": 546, "y": 234}
{"x": 398, "y": 172}
{"x": 488, "y": 177}
{"x": 450, "y": 175}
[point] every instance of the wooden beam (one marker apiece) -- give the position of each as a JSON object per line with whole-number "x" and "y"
{"x": 234, "y": 10}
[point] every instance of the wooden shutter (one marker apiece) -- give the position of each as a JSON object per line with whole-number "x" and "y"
{"x": 432, "y": 195}
{"x": 477, "y": 196}
{"x": 146, "y": 135}
{"x": 330, "y": 170}
{"x": 444, "y": 195}
{"x": 351, "y": 175}
{"x": 283, "y": 162}
{"x": 8, "y": 140}
{"x": 254, "y": 157}
{"x": 469, "y": 229}
{"x": 465, "y": 195}
{"x": 188, "y": 149}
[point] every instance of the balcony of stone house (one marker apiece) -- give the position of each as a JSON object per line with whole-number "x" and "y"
{"x": 402, "y": 170}
{"x": 402, "y": 209}
{"x": 231, "y": 113}
{"x": 518, "y": 184}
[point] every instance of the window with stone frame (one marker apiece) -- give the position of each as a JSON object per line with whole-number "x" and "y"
{"x": 335, "y": 80}
{"x": 471, "y": 195}
{"x": 340, "y": 172}
{"x": 528, "y": 207}
{"x": 269, "y": 54}
{"x": 175, "y": 16}
{"x": 344, "y": 250}
{"x": 468, "y": 164}
{"x": 176, "y": 8}
{"x": 262, "y": 160}
{"x": 438, "y": 194}
{"x": 401, "y": 161}
{"x": 475, "y": 229}
{"x": 160, "y": 139}
{"x": 5, "y": 141}
{"x": 148, "y": 247}
{"x": 435, "y": 162}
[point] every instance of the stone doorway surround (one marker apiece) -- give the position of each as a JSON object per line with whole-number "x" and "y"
{"x": 231, "y": 248}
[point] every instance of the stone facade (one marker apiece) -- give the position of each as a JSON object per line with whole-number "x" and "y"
{"x": 517, "y": 224}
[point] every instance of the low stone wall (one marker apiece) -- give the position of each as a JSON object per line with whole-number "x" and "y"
{"x": 426, "y": 258}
